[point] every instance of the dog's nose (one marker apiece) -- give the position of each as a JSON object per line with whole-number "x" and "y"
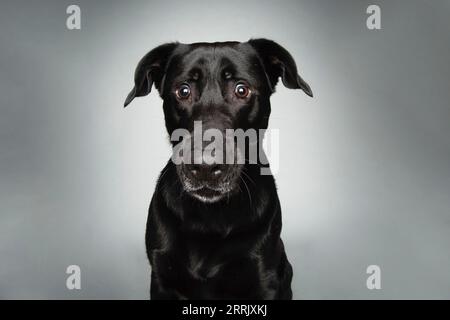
{"x": 205, "y": 172}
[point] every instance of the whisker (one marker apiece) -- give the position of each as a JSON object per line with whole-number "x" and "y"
{"x": 248, "y": 192}
{"x": 248, "y": 177}
{"x": 162, "y": 175}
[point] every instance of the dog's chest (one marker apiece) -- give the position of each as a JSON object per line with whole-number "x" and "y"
{"x": 203, "y": 265}
{"x": 204, "y": 259}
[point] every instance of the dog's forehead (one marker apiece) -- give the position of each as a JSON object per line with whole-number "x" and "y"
{"x": 219, "y": 55}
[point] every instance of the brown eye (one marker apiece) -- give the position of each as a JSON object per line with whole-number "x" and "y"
{"x": 184, "y": 91}
{"x": 241, "y": 91}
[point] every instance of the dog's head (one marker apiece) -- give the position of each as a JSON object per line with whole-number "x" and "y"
{"x": 220, "y": 86}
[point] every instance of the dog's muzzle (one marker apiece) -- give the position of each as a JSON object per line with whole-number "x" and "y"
{"x": 209, "y": 182}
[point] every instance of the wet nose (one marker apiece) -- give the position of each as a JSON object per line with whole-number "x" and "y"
{"x": 205, "y": 172}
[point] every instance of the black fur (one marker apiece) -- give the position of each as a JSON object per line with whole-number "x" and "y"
{"x": 228, "y": 248}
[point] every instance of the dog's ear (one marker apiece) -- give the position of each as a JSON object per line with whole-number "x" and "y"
{"x": 278, "y": 62}
{"x": 150, "y": 70}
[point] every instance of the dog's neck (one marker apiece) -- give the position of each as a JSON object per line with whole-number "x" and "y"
{"x": 240, "y": 210}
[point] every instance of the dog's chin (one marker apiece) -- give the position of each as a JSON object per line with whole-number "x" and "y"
{"x": 208, "y": 192}
{"x": 208, "y": 195}
{"x": 205, "y": 193}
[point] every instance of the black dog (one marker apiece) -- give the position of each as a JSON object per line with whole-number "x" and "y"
{"x": 213, "y": 230}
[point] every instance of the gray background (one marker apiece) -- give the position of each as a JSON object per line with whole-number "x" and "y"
{"x": 367, "y": 181}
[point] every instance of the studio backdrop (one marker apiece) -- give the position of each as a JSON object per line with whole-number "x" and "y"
{"x": 364, "y": 165}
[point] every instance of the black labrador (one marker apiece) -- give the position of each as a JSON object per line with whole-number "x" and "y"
{"x": 213, "y": 230}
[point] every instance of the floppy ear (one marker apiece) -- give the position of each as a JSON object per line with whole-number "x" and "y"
{"x": 279, "y": 63}
{"x": 150, "y": 70}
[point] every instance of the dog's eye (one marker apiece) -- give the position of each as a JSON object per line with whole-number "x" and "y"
{"x": 184, "y": 91}
{"x": 242, "y": 91}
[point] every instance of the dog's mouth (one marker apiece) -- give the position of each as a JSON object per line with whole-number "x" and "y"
{"x": 207, "y": 191}
{"x": 206, "y": 194}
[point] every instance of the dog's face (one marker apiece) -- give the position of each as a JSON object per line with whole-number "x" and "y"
{"x": 221, "y": 86}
